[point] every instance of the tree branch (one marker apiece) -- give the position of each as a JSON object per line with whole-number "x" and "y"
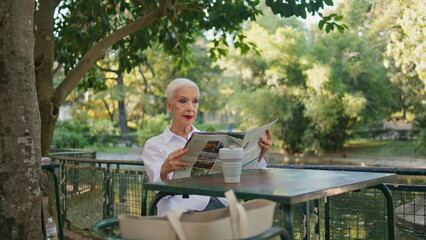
{"x": 98, "y": 50}
{"x": 144, "y": 80}
{"x": 110, "y": 113}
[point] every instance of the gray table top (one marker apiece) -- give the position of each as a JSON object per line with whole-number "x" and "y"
{"x": 288, "y": 186}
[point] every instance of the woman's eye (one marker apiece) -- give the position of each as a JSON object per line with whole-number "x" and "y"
{"x": 195, "y": 101}
{"x": 182, "y": 101}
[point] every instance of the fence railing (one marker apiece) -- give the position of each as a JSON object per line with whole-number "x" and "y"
{"x": 93, "y": 190}
{"x": 362, "y": 214}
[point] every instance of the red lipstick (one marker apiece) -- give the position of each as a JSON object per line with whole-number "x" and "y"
{"x": 189, "y": 117}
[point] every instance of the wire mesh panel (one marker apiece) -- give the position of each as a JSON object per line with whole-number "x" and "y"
{"x": 410, "y": 211}
{"x": 96, "y": 193}
{"x": 127, "y": 191}
{"x": 308, "y": 220}
{"x": 358, "y": 215}
{"x": 84, "y": 201}
{"x": 362, "y": 215}
{"x": 299, "y": 220}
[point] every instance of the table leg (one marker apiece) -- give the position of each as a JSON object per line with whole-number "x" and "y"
{"x": 306, "y": 224}
{"x": 144, "y": 202}
{"x": 390, "y": 210}
{"x": 288, "y": 219}
{"x": 327, "y": 219}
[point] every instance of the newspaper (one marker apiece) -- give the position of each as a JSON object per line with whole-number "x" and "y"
{"x": 203, "y": 154}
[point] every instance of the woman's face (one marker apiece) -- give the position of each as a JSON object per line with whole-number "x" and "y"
{"x": 184, "y": 105}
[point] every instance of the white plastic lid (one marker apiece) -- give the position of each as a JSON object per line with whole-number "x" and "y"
{"x": 231, "y": 153}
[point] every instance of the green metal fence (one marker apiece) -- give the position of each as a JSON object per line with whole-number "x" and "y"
{"x": 92, "y": 190}
{"x": 362, "y": 214}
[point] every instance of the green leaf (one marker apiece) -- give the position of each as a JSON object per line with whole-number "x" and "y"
{"x": 340, "y": 28}
{"x": 327, "y": 28}
{"x": 338, "y": 18}
{"x": 303, "y": 14}
{"x": 321, "y": 24}
{"x": 329, "y": 2}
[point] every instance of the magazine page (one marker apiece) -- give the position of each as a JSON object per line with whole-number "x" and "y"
{"x": 203, "y": 153}
{"x": 251, "y": 145}
{"x": 204, "y": 150}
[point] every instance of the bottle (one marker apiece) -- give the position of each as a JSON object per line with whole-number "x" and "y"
{"x": 51, "y": 232}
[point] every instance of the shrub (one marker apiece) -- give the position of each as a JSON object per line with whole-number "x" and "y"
{"x": 63, "y": 138}
{"x": 72, "y": 125}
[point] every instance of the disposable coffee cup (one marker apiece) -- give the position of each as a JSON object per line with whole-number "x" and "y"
{"x": 231, "y": 161}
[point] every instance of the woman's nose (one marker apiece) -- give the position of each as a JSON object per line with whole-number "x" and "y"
{"x": 191, "y": 107}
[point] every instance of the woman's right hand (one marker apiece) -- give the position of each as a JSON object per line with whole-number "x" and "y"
{"x": 173, "y": 163}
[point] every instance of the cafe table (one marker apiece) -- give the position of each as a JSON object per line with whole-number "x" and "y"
{"x": 284, "y": 186}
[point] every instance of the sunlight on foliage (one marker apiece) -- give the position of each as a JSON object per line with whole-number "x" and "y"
{"x": 318, "y": 77}
{"x": 353, "y": 104}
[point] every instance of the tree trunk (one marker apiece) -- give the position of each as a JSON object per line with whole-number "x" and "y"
{"x": 20, "y": 169}
{"x": 122, "y": 108}
{"x": 44, "y": 57}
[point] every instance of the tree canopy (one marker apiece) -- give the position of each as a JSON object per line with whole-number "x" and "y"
{"x": 320, "y": 85}
{"x": 85, "y": 30}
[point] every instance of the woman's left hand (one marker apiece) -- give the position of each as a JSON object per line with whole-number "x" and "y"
{"x": 265, "y": 143}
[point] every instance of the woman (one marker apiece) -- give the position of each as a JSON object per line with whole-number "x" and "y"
{"x": 162, "y": 153}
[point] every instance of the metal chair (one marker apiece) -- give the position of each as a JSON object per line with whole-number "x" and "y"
{"x": 99, "y": 228}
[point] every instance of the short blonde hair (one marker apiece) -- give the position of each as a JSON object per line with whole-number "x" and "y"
{"x": 176, "y": 84}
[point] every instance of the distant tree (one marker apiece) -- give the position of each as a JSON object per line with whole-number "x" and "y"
{"x": 319, "y": 89}
{"x": 265, "y": 85}
{"x": 348, "y": 83}
{"x": 20, "y": 169}
{"x": 406, "y": 45}
{"x": 406, "y": 38}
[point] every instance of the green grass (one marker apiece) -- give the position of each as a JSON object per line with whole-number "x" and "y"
{"x": 383, "y": 149}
